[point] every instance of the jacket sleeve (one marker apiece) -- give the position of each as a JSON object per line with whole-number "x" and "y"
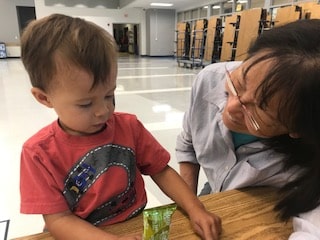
{"x": 207, "y": 97}
{"x": 184, "y": 146}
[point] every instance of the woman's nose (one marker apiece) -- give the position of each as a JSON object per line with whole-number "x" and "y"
{"x": 234, "y": 106}
{"x": 233, "y": 102}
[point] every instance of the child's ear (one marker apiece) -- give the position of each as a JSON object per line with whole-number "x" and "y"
{"x": 41, "y": 96}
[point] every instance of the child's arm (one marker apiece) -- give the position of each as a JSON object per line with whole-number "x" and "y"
{"x": 67, "y": 226}
{"x": 206, "y": 224}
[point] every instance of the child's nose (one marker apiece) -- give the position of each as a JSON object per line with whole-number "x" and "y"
{"x": 102, "y": 109}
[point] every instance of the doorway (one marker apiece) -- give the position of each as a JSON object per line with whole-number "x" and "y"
{"x": 126, "y": 36}
{"x": 25, "y": 15}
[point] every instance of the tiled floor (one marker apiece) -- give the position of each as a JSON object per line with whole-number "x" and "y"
{"x": 155, "y": 89}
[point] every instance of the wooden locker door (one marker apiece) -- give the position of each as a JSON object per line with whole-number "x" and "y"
{"x": 211, "y": 33}
{"x": 287, "y": 14}
{"x": 181, "y": 34}
{"x": 315, "y": 12}
{"x": 248, "y": 31}
{"x": 306, "y": 9}
{"x": 228, "y": 37}
{"x": 197, "y": 36}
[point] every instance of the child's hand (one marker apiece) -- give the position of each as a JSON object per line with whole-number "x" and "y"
{"x": 206, "y": 224}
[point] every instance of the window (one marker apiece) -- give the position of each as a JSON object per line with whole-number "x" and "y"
{"x": 281, "y": 2}
{"x": 180, "y": 17}
{"x": 195, "y": 14}
{"x": 257, "y": 3}
{"x": 227, "y": 7}
{"x": 215, "y": 9}
{"x": 204, "y": 12}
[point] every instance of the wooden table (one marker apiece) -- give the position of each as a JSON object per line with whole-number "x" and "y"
{"x": 246, "y": 214}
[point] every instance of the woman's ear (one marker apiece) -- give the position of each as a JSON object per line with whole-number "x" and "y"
{"x": 41, "y": 96}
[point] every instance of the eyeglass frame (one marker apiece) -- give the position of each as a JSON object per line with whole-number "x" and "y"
{"x": 234, "y": 92}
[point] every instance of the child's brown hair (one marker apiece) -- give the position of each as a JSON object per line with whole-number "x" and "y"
{"x": 77, "y": 41}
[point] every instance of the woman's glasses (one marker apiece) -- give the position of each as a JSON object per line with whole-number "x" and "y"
{"x": 234, "y": 92}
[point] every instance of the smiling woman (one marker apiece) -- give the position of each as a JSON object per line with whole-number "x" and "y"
{"x": 253, "y": 118}
{"x": 231, "y": 88}
{"x": 261, "y": 124}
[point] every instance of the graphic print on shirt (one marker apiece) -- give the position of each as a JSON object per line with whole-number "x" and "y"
{"x": 93, "y": 165}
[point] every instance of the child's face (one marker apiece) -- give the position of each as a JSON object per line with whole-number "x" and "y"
{"x": 82, "y": 110}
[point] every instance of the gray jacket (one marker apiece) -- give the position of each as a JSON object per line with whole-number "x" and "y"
{"x": 205, "y": 140}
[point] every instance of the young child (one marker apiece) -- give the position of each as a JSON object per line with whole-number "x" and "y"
{"x": 84, "y": 170}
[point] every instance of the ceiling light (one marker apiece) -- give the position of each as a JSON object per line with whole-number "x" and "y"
{"x": 215, "y": 7}
{"x": 161, "y": 4}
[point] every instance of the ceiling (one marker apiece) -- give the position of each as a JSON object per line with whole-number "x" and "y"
{"x": 177, "y": 4}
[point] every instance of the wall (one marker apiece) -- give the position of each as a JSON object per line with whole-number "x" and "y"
{"x": 9, "y": 27}
{"x": 160, "y": 32}
{"x": 156, "y": 26}
{"x": 117, "y": 16}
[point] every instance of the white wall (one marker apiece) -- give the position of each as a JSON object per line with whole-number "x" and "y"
{"x": 101, "y": 15}
{"x": 160, "y": 32}
{"x": 105, "y": 22}
{"x": 9, "y": 27}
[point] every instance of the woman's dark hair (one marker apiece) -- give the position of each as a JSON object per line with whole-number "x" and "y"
{"x": 294, "y": 51}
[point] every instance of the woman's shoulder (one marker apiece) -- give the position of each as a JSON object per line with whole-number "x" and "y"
{"x": 212, "y": 76}
{"x": 220, "y": 67}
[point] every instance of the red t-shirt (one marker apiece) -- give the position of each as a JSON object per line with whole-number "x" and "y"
{"x": 97, "y": 177}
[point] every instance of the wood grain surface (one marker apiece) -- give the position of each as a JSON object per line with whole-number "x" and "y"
{"x": 246, "y": 214}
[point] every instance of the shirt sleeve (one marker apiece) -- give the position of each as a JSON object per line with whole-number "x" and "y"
{"x": 151, "y": 156}
{"x": 38, "y": 190}
{"x": 307, "y": 226}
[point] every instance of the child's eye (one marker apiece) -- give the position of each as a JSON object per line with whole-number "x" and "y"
{"x": 109, "y": 97}
{"x": 85, "y": 105}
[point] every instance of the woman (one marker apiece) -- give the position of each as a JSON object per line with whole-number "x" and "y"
{"x": 256, "y": 123}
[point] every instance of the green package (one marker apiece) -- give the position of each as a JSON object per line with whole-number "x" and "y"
{"x": 156, "y": 222}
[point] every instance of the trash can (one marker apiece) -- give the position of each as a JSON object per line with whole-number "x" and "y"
{"x": 3, "y": 52}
